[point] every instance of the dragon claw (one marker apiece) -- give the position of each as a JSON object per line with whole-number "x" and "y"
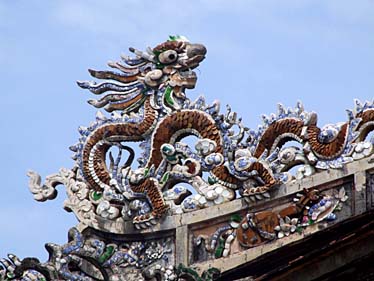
{"x": 144, "y": 221}
{"x": 150, "y": 219}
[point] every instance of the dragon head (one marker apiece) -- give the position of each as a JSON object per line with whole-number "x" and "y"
{"x": 168, "y": 65}
{"x": 174, "y": 61}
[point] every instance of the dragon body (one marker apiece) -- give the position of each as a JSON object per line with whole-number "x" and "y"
{"x": 148, "y": 105}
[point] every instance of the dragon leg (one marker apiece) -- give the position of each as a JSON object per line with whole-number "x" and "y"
{"x": 265, "y": 176}
{"x": 150, "y": 187}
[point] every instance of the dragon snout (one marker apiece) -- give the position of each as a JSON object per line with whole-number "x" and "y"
{"x": 195, "y": 54}
{"x": 194, "y": 50}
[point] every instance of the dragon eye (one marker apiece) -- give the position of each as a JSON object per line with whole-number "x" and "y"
{"x": 168, "y": 57}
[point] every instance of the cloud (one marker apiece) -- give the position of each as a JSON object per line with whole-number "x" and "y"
{"x": 150, "y": 19}
{"x": 3, "y": 17}
{"x": 349, "y": 12}
{"x": 121, "y": 18}
{"x": 2, "y": 13}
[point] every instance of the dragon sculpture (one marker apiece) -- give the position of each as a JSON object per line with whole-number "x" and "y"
{"x": 144, "y": 97}
{"x": 153, "y": 85}
{"x": 147, "y": 103}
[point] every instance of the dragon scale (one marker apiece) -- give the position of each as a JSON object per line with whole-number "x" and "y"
{"x": 94, "y": 167}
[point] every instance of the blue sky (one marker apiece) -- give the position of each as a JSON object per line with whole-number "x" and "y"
{"x": 259, "y": 53}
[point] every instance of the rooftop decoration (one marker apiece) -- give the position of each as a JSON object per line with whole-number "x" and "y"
{"x": 115, "y": 187}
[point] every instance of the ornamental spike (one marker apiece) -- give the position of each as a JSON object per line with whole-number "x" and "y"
{"x": 144, "y": 55}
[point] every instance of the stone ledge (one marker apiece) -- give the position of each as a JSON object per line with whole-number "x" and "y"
{"x": 172, "y": 222}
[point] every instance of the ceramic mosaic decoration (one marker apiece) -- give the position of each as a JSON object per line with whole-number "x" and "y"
{"x": 133, "y": 169}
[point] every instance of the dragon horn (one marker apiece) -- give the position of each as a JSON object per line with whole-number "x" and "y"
{"x": 143, "y": 55}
